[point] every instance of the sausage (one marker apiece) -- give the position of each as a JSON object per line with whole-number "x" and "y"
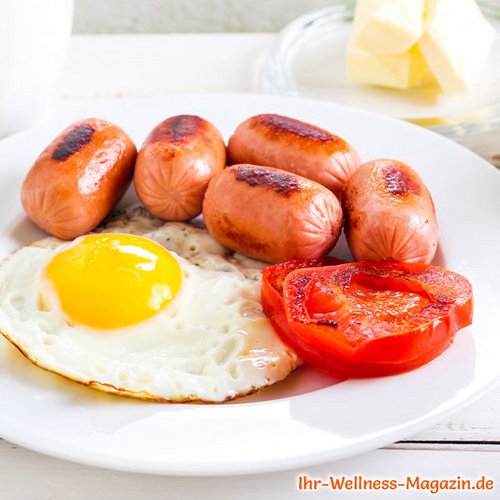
{"x": 390, "y": 214}
{"x": 79, "y": 178}
{"x": 175, "y": 164}
{"x": 298, "y": 147}
{"x": 271, "y": 214}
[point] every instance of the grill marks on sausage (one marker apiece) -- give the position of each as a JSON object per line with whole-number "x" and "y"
{"x": 281, "y": 182}
{"x": 73, "y": 142}
{"x": 242, "y": 238}
{"x": 279, "y": 125}
{"x": 178, "y": 129}
{"x": 398, "y": 182}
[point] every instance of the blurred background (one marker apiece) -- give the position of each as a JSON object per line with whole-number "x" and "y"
{"x": 188, "y": 16}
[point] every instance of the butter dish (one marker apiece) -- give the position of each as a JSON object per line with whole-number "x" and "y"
{"x": 309, "y": 59}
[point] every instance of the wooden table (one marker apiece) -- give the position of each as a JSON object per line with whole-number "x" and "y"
{"x": 467, "y": 444}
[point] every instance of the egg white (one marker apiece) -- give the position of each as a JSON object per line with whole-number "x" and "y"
{"x": 212, "y": 343}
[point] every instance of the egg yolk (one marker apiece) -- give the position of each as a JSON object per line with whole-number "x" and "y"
{"x": 113, "y": 280}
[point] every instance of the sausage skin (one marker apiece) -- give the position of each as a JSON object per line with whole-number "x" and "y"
{"x": 79, "y": 178}
{"x": 390, "y": 214}
{"x": 175, "y": 165}
{"x": 298, "y": 147}
{"x": 271, "y": 214}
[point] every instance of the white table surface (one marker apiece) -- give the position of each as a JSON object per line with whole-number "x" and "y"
{"x": 467, "y": 444}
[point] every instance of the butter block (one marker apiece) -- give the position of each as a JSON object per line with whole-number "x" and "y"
{"x": 455, "y": 43}
{"x": 387, "y": 26}
{"x": 400, "y": 71}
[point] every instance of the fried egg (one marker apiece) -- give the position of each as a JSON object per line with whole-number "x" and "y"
{"x": 143, "y": 308}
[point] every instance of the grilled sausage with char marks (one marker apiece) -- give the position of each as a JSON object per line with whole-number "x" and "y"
{"x": 175, "y": 164}
{"x": 79, "y": 178}
{"x": 292, "y": 145}
{"x": 390, "y": 214}
{"x": 271, "y": 214}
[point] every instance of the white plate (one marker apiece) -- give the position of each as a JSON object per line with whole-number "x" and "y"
{"x": 309, "y": 418}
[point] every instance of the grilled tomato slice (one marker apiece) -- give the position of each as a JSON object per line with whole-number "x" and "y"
{"x": 366, "y": 318}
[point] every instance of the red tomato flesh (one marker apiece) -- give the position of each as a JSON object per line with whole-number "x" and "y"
{"x": 367, "y": 319}
{"x": 273, "y": 279}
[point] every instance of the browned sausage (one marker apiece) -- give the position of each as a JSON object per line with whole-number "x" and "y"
{"x": 390, "y": 214}
{"x": 298, "y": 147}
{"x": 175, "y": 164}
{"x": 271, "y": 214}
{"x": 79, "y": 178}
